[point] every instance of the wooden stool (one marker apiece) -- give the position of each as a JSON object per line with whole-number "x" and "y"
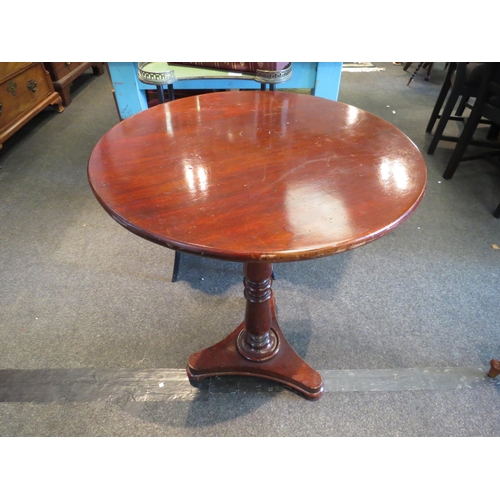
{"x": 427, "y": 65}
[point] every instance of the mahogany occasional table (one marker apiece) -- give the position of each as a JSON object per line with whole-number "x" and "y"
{"x": 258, "y": 178}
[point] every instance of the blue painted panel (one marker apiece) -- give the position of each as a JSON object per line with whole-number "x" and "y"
{"x": 129, "y": 97}
{"x": 303, "y": 76}
{"x": 327, "y": 83}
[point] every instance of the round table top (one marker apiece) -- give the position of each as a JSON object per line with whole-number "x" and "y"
{"x": 257, "y": 176}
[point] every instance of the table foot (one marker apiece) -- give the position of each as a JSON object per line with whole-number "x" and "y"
{"x": 286, "y": 366}
{"x": 494, "y": 368}
{"x": 257, "y": 348}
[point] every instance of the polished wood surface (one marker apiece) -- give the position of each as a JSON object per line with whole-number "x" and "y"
{"x": 257, "y": 176}
{"x": 64, "y": 73}
{"x": 25, "y": 91}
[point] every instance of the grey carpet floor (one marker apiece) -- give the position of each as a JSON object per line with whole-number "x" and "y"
{"x": 94, "y": 337}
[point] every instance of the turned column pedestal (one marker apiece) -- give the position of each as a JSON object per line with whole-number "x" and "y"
{"x": 257, "y": 347}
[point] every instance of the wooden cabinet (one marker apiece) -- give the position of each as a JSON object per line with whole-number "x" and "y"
{"x": 64, "y": 73}
{"x": 25, "y": 90}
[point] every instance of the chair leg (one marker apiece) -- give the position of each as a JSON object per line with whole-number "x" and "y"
{"x": 463, "y": 142}
{"x": 496, "y": 213}
{"x": 462, "y": 105}
{"x": 415, "y": 73}
{"x": 177, "y": 261}
{"x": 493, "y": 132}
{"x": 429, "y": 69}
{"x": 448, "y": 109}
{"x": 439, "y": 102}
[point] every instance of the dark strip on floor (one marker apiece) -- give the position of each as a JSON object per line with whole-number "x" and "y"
{"x": 84, "y": 385}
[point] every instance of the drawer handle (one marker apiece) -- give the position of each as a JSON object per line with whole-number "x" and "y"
{"x": 0, "y": 108}
{"x": 12, "y": 87}
{"x": 32, "y": 85}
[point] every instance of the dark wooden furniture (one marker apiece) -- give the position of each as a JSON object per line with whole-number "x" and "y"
{"x": 258, "y": 178}
{"x": 485, "y": 108}
{"x": 25, "y": 90}
{"x": 63, "y": 74}
{"x": 427, "y": 65}
{"x": 462, "y": 81}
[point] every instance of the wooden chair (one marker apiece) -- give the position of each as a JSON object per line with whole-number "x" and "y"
{"x": 487, "y": 106}
{"x": 462, "y": 82}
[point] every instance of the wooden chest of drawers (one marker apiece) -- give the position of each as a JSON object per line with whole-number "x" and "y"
{"x": 25, "y": 90}
{"x": 64, "y": 73}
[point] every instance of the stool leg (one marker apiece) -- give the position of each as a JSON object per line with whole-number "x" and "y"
{"x": 463, "y": 142}
{"x": 440, "y": 101}
{"x": 429, "y": 69}
{"x": 98, "y": 69}
{"x": 161, "y": 97}
{"x": 448, "y": 109}
{"x": 493, "y": 132}
{"x": 496, "y": 213}
{"x": 177, "y": 261}
{"x": 461, "y": 106}
{"x": 415, "y": 73}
